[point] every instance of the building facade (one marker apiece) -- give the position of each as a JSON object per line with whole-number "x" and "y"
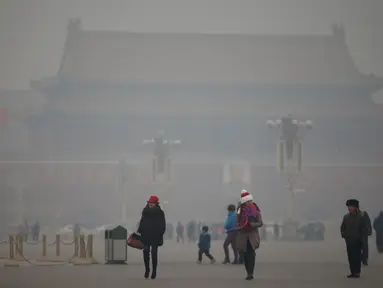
{"x": 215, "y": 93}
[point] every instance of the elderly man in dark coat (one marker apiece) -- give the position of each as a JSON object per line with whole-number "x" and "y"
{"x": 354, "y": 230}
{"x": 152, "y": 228}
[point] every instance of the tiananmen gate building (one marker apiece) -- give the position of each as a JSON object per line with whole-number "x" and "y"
{"x": 215, "y": 92}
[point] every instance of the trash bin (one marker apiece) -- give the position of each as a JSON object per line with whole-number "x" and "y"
{"x": 115, "y": 245}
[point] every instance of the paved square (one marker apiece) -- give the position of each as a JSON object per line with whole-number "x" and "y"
{"x": 279, "y": 264}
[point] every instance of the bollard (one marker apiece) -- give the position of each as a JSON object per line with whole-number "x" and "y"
{"x": 82, "y": 247}
{"x": 17, "y": 249}
{"x": 11, "y": 247}
{"x": 21, "y": 246}
{"x": 89, "y": 248}
{"x": 76, "y": 246}
{"x": 58, "y": 245}
{"x": 44, "y": 243}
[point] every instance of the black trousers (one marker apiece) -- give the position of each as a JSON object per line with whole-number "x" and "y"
{"x": 206, "y": 252}
{"x": 249, "y": 259}
{"x": 365, "y": 250}
{"x": 230, "y": 240}
{"x": 354, "y": 254}
{"x": 148, "y": 251}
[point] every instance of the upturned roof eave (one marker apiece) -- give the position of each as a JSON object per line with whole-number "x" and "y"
{"x": 373, "y": 85}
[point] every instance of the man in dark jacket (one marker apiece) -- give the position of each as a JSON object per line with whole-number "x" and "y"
{"x": 152, "y": 229}
{"x": 378, "y": 226}
{"x": 353, "y": 231}
{"x": 365, "y": 240}
{"x": 191, "y": 231}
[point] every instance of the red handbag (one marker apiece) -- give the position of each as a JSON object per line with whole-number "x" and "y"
{"x": 134, "y": 241}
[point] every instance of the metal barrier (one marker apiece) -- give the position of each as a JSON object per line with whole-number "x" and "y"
{"x": 83, "y": 250}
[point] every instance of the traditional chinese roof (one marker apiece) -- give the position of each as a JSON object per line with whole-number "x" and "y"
{"x": 116, "y": 57}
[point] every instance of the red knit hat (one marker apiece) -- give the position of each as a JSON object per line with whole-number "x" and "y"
{"x": 153, "y": 199}
{"x": 245, "y": 197}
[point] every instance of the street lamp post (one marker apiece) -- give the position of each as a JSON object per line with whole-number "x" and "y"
{"x": 161, "y": 160}
{"x": 290, "y": 149}
{"x": 290, "y": 139}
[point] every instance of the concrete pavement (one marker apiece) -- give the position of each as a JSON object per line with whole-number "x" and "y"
{"x": 287, "y": 264}
{"x": 188, "y": 275}
{"x": 329, "y": 251}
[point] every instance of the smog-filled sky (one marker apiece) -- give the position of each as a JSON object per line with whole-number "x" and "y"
{"x": 240, "y": 121}
{"x": 216, "y": 123}
{"x": 32, "y": 32}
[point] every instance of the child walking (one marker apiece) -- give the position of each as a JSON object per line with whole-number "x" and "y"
{"x": 204, "y": 245}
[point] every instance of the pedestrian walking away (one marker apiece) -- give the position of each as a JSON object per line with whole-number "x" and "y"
{"x": 353, "y": 230}
{"x": 152, "y": 228}
{"x": 276, "y": 231}
{"x": 191, "y": 230}
{"x": 180, "y": 233}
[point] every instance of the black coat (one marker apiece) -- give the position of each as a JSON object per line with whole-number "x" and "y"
{"x": 152, "y": 226}
{"x": 368, "y": 222}
{"x": 354, "y": 227}
{"x": 378, "y": 226}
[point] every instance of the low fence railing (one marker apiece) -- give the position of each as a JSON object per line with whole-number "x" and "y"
{"x": 82, "y": 249}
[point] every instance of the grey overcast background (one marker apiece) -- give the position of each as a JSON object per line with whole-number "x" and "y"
{"x": 342, "y": 154}
{"x": 32, "y": 32}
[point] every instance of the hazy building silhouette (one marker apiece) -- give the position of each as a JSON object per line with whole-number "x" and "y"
{"x": 215, "y": 92}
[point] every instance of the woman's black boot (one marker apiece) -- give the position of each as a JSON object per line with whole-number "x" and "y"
{"x": 154, "y": 274}
{"x": 146, "y": 262}
{"x": 147, "y": 272}
{"x": 154, "y": 261}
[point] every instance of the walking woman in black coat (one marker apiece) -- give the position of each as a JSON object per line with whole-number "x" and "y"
{"x": 152, "y": 228}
